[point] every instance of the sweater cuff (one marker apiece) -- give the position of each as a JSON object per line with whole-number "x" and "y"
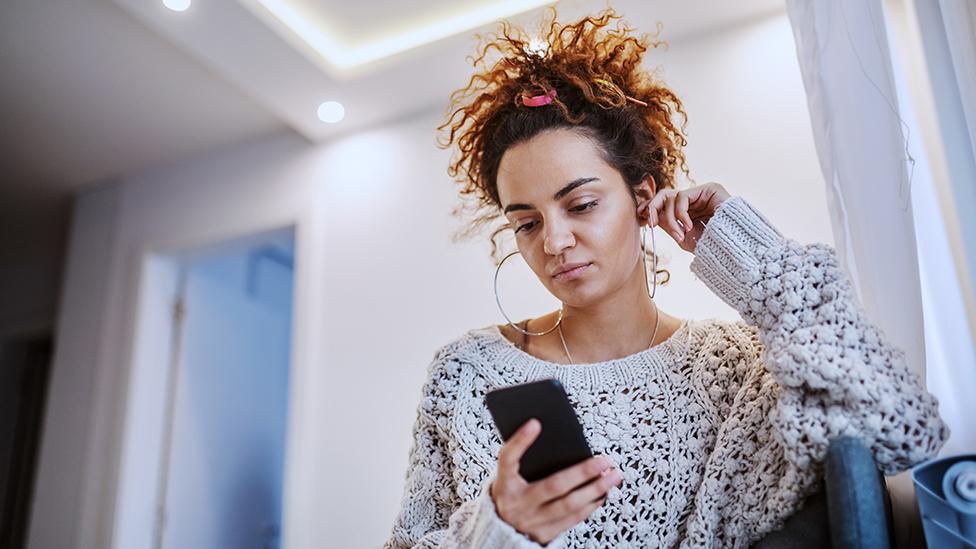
{"x": 491, "y": 532}
{"x": 729, "y": 252}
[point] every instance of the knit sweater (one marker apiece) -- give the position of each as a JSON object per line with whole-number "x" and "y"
{"x": 720, "y": 431}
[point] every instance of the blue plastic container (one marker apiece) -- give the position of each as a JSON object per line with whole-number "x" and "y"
{"x": 946, "y": 493}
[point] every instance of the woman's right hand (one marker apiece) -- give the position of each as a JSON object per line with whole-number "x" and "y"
{"x": 548, "y": 507}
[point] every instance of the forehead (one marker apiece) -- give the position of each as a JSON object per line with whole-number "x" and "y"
{"x": 546, "y": 162}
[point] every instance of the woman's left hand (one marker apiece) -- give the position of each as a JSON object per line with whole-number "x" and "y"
{"x": 683, "y": 214}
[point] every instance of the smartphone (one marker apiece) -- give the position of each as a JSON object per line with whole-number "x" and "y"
{"x": 561, "y": 443}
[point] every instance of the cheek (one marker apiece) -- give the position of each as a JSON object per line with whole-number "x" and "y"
{"x": 536, "y": 259}
{"x": 611, "y": 236}
{"x": 618, "y": 245}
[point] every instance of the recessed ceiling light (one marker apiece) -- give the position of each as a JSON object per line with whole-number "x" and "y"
{"x": 331, "y": 112}
{"x": 177, "y": 5}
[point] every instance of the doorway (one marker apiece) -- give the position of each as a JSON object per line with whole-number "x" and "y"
{"x": 207, "y": 416}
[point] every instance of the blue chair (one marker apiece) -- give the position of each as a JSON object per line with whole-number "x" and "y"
{"x": 851, "y": 510}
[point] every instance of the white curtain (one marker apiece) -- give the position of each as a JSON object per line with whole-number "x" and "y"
{"x": 844, "y": 59}
{"x": 951, "y": 356}
{"x": 882, "y": 201}
{"x": 881, "y": 197}
{"x": 959, "y": 18}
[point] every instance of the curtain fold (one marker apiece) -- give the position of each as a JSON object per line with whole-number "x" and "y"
{"x": 959, "y": 18}
{"x": 951, "y": 355}
{"x": 842, "y": 49}
{"x": 889, "y": 229}
{"x": 861, "y": 139}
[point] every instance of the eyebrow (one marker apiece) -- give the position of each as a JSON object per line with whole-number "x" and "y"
{"x": 559, "y": 194}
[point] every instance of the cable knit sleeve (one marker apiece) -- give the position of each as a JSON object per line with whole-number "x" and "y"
{"x": 832, "y": 371}
{"x": 431, "y": 514}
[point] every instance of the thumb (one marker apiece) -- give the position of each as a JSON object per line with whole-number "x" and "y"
{"x": 527, "y": 433}
{"x": 519, "y": 443}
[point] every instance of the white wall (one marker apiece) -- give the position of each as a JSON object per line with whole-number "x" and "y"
{"x": 378, "y": 282}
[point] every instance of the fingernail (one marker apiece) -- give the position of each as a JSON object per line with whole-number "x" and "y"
{"x": 677, "y": 235}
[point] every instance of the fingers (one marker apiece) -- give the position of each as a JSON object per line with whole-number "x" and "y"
{"x": 672, "y": 224}
{"x": 662, "y": 210}
{"x": 563, "y": 482}
{"x": 652, "y": 219}
{"x": 580, "y": 504}
{"x": 681, "y": 211}
{"x": 545, "y": 508}
{"x": 512, "y": 451}
{"x": 567, "y": 522}
{"x": 673, "y": 210}
{"x": 594, "y": 490}
{"x": 655, "y": 206}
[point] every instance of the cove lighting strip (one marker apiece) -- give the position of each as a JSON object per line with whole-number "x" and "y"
{"x": 345, "y": 57}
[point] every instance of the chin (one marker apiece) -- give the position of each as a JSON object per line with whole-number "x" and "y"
{"x": 579, "y": 295}
{"x": 584, "y": 293}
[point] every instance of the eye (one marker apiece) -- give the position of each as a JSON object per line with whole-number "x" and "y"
{"x": 582, "y": 208}
{"x": 585, "y": 207}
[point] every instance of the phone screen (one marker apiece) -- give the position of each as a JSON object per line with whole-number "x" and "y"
{"x": 561, "y": 442}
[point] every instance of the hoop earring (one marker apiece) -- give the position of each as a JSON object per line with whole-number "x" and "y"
{"x": 499, "y": 302}
{"x": 644, "y": 231}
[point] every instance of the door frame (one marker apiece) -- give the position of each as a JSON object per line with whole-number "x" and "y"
{"x": 136, "y": 522}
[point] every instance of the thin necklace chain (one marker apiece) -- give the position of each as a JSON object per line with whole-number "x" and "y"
{"x": 657, "y": 318}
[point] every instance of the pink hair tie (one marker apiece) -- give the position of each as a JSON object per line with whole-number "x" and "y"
{"x": 539, "y": 100}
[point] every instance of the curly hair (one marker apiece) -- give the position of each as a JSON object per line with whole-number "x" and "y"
{"x": 601, "y": 92}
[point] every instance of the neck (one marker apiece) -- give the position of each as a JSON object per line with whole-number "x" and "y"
{"x": 618, "y": 326}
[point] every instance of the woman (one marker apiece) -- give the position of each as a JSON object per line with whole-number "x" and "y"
{"x": 708, "y": 433}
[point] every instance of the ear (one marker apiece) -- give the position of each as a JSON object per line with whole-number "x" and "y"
{"x": 644, "y": 193}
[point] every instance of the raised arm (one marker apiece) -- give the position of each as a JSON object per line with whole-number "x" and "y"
{"x": 837, "y": 374}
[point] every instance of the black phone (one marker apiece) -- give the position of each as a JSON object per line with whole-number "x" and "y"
{"x": 561, "y": 443}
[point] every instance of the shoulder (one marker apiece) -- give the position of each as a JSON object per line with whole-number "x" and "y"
{"x": 472, "y": 345}
{"x": 721, "y": 337}
{"x": 450, "y": 374}
{"x": 727, "y": 356}
{"x": 469, "y": 349}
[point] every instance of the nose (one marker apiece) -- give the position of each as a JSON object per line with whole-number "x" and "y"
{"x": 558, "y": 238}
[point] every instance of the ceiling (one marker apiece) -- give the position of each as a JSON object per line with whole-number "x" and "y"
{"x": 92, "y": 89}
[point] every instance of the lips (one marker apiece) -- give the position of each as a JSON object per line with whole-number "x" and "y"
{"x": 562, "y": 269}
